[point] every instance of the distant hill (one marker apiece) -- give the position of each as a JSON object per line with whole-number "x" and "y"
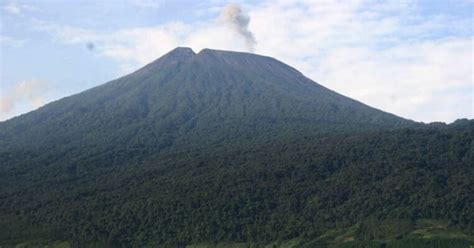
{"x": 220, "y": 147}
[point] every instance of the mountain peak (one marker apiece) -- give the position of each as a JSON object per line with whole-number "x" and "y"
{"x": 177, "y": 55}
{"x": 181, "y": 51}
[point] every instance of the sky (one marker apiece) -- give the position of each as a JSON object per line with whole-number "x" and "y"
{"x": 411, "y": 58}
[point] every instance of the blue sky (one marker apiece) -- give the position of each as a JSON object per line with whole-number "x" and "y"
{"x": 411, "y": 58}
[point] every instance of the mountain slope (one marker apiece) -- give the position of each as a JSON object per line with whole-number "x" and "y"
{"x": 227, "y": 147}
{"x": 185, "y": 98}
{"x": 380, "y": 185}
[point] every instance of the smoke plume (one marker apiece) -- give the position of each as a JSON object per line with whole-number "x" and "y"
{"x": 233, "y": 16}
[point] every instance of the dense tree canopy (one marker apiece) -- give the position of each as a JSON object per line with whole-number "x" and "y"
{"x": 255, "y": 192}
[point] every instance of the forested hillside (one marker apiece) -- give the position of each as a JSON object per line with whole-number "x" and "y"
{"x": 231, "y": 148}
{"x": 270, "y": 191}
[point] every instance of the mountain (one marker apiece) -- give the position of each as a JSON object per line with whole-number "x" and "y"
{"x": 185, "y": 98}
{"x": 229, "y": 147}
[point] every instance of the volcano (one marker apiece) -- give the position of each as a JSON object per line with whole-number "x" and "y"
{"x": 184, "y": 99}
{"x": 225, "y": 147}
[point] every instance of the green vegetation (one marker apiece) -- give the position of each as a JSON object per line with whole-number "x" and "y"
{"x": 382, "y": 182}
{"x": 230, "y": 149}
{"x": 333, "y": 238}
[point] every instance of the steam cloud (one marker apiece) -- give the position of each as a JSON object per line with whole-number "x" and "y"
{"x": 26, "y": 92}
{"x": 233, "y": 16}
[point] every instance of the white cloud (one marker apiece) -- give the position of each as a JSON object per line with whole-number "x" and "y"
{"x": 12, "y": 9}
{"x": 24, "y": 95}
{"x": 16, "y": 8}
{"x": 384, "y": 54}
{"x": 134, "y": 47}
{"x": 418, "y": 81}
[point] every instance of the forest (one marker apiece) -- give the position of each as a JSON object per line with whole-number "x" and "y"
{"x": 370, "y": 189}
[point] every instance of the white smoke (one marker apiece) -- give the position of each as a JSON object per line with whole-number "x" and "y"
{"x": 233, "y": 16}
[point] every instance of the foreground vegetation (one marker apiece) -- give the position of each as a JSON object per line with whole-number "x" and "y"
{"x": 427, "y": 234}
{"x": 382, "y": 184}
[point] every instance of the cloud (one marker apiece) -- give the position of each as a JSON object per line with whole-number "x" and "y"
{"x": 385, "y": 54}
{"x": 417, "y": 81}
{"x": 12, "y": 9}
{"x": 233, "y": 16}
{"x": 66, "y": 34}
{"x": 15, "y": 8}
{"x": 134, "y": 47}
{"x": 28, "y": 94}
